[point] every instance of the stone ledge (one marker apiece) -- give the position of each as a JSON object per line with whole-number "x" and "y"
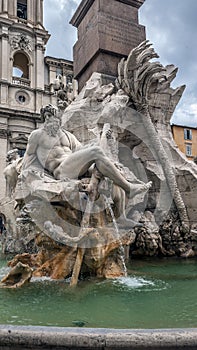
{"x": 35, "y": 337}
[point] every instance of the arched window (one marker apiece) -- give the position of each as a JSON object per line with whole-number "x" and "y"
{"x": 22, "y": 9}
{"x": 20, "y": 66}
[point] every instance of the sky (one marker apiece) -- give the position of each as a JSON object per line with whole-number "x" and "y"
{"x": 171, "y": 26}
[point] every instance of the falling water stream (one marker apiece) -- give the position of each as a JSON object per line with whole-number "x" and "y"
{"x": 117, "y": 237}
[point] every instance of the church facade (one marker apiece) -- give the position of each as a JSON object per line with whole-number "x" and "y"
{"x": 26, "y": 75}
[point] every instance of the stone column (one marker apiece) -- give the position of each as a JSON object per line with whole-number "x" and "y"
{"x": 14, "y": 8}
{"x": 1, "y": 7}
{"x": 41, "y": 11}
{"x": 52, "y": 73}
{"x": 4, "y": 53}
{"x": 38, "y": 11}
{"x": 11, "y": 7}
{"x": 29, "y": 10}
{"x": 5, "y": 5}
{"x": 39, "y": 64}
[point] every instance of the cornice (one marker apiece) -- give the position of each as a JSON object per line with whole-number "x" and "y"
{"x": 85, "y": 5}
{"x": 5, "y": 21}
{"x": 81, "y": 11}
{"x": 184, "y": 126}
{"x": 53, "y": 61}
{"x": 18, "y": 114}
{"x": 134, "y": 3}
{"x": 22, "y": 28}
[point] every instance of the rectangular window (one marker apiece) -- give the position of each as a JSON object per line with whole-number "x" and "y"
{"x": 187, "y": 134}
{"x": 22, "y": 9}
{"x": 188, "y": 150}
{"x": 59, "y": 72}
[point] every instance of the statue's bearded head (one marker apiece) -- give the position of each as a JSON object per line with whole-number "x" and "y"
{"x": 51, "y": 118}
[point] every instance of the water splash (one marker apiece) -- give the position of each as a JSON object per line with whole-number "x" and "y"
{"x": 42, "y": 279}
{"x": 140, "y": 284}
{"x": 134, "y": 282}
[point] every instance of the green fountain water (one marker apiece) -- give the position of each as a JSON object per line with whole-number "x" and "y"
{"x": 156, "y": 294}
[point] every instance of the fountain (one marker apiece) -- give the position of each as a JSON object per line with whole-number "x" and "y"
{"x": 97, "y": 222}
{"x": 112, "y": 186}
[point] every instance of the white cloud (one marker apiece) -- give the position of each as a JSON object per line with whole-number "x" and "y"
{"x": 57, "y": 14}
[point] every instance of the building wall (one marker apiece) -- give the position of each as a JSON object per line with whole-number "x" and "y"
{"x": 22, "y": 46}
{"x": 186, "y": 139}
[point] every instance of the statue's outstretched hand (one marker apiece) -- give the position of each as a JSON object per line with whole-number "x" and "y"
{"x": 148, "y": 185}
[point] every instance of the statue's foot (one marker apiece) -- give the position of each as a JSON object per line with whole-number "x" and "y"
{"x": 123, "y": 222}
{"x": 136, "y": 189}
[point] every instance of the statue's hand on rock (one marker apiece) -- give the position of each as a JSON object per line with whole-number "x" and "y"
{"x": 138, "y": 188}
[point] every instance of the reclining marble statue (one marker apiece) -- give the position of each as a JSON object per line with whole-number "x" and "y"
{"x": 63, "y": 156}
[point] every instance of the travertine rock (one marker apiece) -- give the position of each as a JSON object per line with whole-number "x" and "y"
{"x": 17, "y": 277}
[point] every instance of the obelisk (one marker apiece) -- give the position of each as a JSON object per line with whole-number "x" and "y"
{"x": 107, "y": 31}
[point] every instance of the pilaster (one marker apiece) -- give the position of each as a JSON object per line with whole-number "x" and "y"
{"x": 5, "y": 5}
{"x": 4, "y": 53}
{"x": 29, "y": 10}
{"x": 39, "y": 64}
{"x": 38, "y": 12}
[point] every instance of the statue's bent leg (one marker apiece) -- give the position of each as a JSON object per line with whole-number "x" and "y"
{"x": 76, "y": 164}
{"x": 118, "y": 196}
{"x": 108, "y": 169}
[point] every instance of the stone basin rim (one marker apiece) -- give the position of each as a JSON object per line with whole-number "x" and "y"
{"x": 44, "y": 337}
